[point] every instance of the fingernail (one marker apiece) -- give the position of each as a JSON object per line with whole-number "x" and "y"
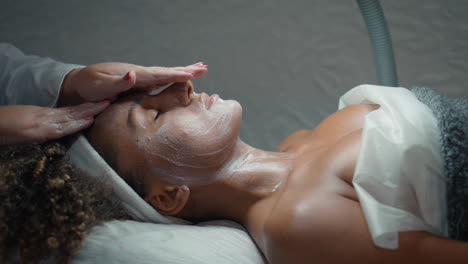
{"x": 104, "y": 101}
{"x": 88, "y": 118}
{"x": 191, "y": 72}
{"x": 200, "y": 65}
{"x": 127, "y": 76}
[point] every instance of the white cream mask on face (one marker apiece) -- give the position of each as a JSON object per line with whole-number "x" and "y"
{"x": 192, "y": 138}
{"x": 193, "y": 144}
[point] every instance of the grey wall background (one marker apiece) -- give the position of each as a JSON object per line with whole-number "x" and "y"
{"x": 286, "y": 62}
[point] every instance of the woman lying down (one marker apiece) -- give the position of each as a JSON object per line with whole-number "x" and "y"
{"x": 378, "y": 181}
{"x": 367, "y": 185}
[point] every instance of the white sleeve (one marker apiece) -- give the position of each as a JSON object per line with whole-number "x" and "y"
{"x": 30, "y": 80}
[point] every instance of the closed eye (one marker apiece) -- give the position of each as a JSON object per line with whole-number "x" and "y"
{"x": 157, "y": 115}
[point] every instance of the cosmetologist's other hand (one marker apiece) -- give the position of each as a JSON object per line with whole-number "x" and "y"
{"x": 27, "y": 123}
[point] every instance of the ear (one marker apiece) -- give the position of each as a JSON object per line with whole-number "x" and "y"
{"x": 169, "y": 200}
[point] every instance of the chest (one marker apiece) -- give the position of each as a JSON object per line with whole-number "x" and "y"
{"x": 332, "y": 148}
{"x": 321, "y": 178}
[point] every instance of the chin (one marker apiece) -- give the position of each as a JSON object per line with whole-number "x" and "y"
{"x": 237, "y": 116}
{"x": 232, "y": 108}
{"x": 235, "y": 108}
{"x": 238, "y": 105}
{"x": 233, "y": 105}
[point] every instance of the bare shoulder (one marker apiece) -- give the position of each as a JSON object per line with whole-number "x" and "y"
{"x": 293, "y": 139}
{"x": 335, "y": 126}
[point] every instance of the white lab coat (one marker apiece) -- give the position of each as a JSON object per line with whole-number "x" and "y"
{"x": 28, "y": 79}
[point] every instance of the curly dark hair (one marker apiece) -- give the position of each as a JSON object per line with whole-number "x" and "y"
{"x": 47, "y": 205}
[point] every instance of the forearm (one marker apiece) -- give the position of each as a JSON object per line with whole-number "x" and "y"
{"x": 422, "y": 247}
{"x": 30, "y": 80}
{"x": 68, "y": 96}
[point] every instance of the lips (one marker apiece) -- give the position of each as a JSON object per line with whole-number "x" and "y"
{"x": 209, "y": 100}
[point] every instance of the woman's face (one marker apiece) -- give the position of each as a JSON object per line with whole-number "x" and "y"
{"x": 178, "y": 136}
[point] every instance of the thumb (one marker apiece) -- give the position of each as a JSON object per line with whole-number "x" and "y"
{"x": 125, "y": 82}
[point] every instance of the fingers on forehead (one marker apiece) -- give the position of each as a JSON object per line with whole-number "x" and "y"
{"x": 197, "y": 71}
{"x": 158, "y": 75}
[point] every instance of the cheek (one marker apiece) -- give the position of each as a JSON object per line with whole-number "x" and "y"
{"x": 206, "y": 130}
{"x": 193, "y": 144}
{"x": 201, "y": 137}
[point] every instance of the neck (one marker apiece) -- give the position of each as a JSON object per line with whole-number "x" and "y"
{"x": 250, "y": 176}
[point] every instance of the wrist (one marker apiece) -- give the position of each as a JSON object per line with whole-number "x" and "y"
{"x": 68, "y": 94}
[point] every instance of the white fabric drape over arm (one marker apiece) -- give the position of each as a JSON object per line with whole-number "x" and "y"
{"x": 399, "y": 174}
{"x": 30, "y": 80}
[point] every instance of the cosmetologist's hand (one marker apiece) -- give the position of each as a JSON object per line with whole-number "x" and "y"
{"x": 27, "y": 123}
{"x": 106, "y": 80}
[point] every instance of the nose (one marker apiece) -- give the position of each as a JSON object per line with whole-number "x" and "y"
{"x": 177, "y": 95}
{"x": 182, "y": 92}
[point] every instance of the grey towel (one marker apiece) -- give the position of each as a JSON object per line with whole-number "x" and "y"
{"x": 452, "y": 118}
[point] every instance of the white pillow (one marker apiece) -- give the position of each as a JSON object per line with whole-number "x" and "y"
{"x": 141, "y": 243}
